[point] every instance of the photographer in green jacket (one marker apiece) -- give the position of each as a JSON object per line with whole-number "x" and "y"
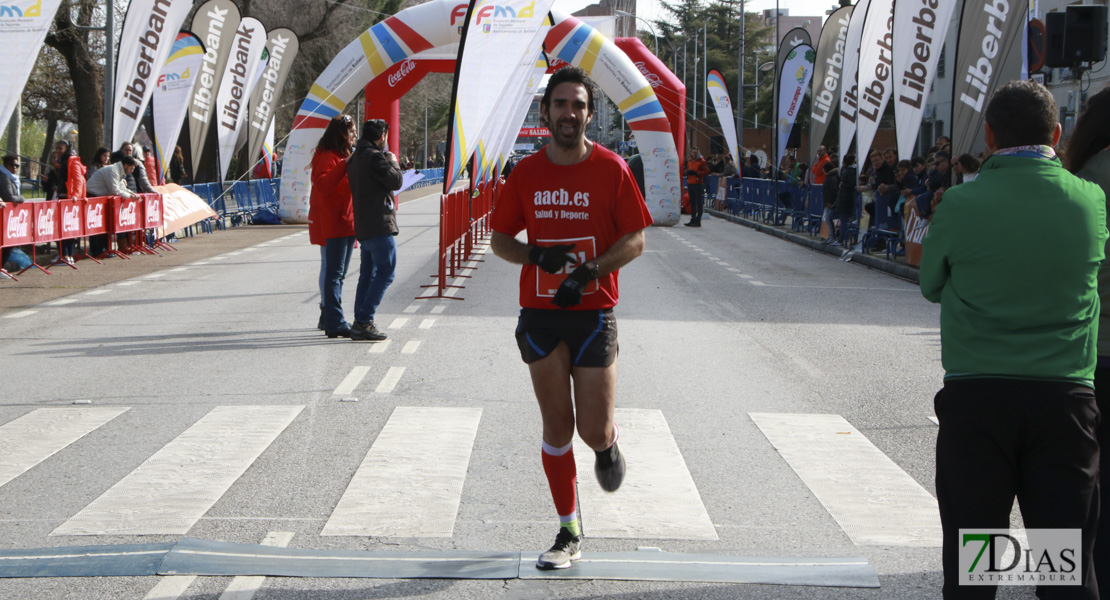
{"x": 1013, "y": 259}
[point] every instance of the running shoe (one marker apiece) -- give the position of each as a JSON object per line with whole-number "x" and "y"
{"x": 567, "y": 548}
{"x": 366, "y": 331}
{"x": 609, "y": 468}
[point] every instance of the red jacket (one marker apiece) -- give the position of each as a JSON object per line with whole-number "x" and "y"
{"x": 75, "y": 179}
{"x": 818, "y": 169}
{"x": 700, "y": 167}
{"x": 330, "y": 202}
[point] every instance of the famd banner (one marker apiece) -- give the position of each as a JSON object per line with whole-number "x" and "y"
{"x": 849, "y": 88}
{"x": 715, "y": 83}
{"x": 149, "y": 32}
{"x": 831, "y": 50}
{"x": 170, "y": 101}
{"x": 23, "y": 27}
{"x": 215, "y": 22}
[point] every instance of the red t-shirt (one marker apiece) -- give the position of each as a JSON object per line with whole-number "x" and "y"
{"x": 590, "y": 204}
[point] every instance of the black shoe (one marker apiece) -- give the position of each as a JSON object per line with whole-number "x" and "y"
{"x": 344, "y": 332}
{"x": 366, "y": 331}
{"x": 609, "y": 468}
{"x": 694, "y": 224}
{"x": 567, "y": 548}
{"x": 320, "y": 324}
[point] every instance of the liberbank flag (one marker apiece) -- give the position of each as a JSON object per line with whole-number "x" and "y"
{"x": 23, "y": 27}
{"x": 831, "y": 50}
{"x": 715, "y": 83}
{"x": 848, "y": 80}
{"x": 794, "y": 78}
{"x": 988, "y": 30}
{"x": 282, "y": 45}
{"x": 170, "y": 101}
{"x": 149, "y": 32}
{"x": 497, "y": 52}
{"x": 215, "y": 23}
{"x": 235, "y": 88}
{"x": 920, "y": 27}
{"x": 876, "y": 81}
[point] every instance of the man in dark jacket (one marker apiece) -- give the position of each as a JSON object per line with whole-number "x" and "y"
{"x": 845, "y": 206}
{"x": 373, "y": 174}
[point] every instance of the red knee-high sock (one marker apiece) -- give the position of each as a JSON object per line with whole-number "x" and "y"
{"x": 558, "y": 465}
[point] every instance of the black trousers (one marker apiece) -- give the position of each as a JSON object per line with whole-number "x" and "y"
{"x": 1006, "y": 438}
{"x": 697, "y": 200}
{"x": 1102, "y": 540}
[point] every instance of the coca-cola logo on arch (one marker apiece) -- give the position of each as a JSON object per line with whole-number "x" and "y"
{"x": 652, "y": 78}
{"x": 405, "y": 68}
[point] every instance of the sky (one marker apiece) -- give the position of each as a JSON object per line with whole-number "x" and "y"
{"x": 653, "y": 9}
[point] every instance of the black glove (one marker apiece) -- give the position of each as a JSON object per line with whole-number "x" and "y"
{"x": 552, "y": 258}
{"x": 691, "y": 173}
{"x": 570, "y": 292}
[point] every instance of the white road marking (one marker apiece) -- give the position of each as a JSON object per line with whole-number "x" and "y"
{"x": 758, "y": 283}
{"x": 199, "y": 264}
{"x": 233, "y": 254}
{"x": 438, "y": 309}
{"x": 743, "y": 276}
{"x": 398, "y": 323}
{"x": 412, "y": 308}
{"x": 179, "y": 269}
{"x": 97, "y": 292}
{"x": 872, "y": 499}
{"x": 690, "y": 276}
{"x": 734, "y": 269}
{"x": 172, "y": 489}
{"x": 427, "y": 323}
{"x": 62, "y": 302}
{"x": 935, "y": 421}
{"x": 155, "y": 275}
{"x": 218, "y": 258}
{"x": 170, "y": 587}
{"x": 392, "y": 376}
{"x": 378, "y": 347}
{"x": 20, "y": 314}
{"x": 712, "y": 258}
{"x": 244, "y": 587}
{"x": 411, "y": 481}
{"x": 351, "y": 381}
{"x": 132, "y": 282}
{"x": 39, "y": 434}
{"x": 658, "y": 499}
{"x": 410, "y": 347}
{"x": 722, "y": 263}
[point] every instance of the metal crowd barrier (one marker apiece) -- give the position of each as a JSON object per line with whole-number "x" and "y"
{"x": 464, "y": 220}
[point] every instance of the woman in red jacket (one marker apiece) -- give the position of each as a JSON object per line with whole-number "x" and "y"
{"x": 330, "y": 211}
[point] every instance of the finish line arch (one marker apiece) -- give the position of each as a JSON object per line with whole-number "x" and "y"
{"x": 439, "y": 23}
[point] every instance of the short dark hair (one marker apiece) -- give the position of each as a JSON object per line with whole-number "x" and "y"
{"x": 570, "y": 74}
{"x": 968, "y": 163}
{"x": 10, "y": 159}
{"x": 374, "y": 129}
{"x": 753, "y": 160}
{"x": 1022, "y": 113}
{"x": 917, "y": 160}
{"x": 1092, "y": 132}
{"x": 127, "y": 161}
{"x": 905, "y": 164}
{"x": 829, "y": 166}
{"x": 942, "y": 156}
{"x": 849, "y": 159}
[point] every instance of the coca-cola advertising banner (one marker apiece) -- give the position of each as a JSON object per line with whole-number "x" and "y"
{"x": 17, "y": 225}
{"x": 535, "y": 132}
{"x": 47, "y": 225}
{"x": 125, "y": 214}
{"x": 70, "y": 211}
{"x": 152, "y": 211}
{"x": 95, "y": 209}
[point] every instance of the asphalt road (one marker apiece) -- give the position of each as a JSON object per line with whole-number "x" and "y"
{"x": 776, "y": 403}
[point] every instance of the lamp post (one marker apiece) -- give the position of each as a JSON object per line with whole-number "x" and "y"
{"x": 650, "y": 26}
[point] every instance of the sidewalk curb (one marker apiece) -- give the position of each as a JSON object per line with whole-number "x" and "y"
{"x": 868, "y": 260}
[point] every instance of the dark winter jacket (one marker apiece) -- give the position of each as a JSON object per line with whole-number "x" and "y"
{"x": 830, "y": 188}
{"x": 373, "y": 177}
{"x": 846, "y": 197}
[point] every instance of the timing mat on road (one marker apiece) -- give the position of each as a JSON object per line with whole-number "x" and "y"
{"x": 192, "y": 556}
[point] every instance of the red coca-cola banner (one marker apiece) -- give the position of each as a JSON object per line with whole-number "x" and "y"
{"x": 71, "y": 221}
{"x": 152, "y": 211}
{"x": 47, "y": 221}
{"x": 126, "y": 213}
{"x": 17, "y": 221}
{"x": 94, "y": 213}
{"x": 534, "y": 132}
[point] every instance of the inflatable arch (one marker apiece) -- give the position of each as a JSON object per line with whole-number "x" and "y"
{"x": 439, "y": 23}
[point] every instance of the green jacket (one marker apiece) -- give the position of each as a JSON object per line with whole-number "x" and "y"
{"x": 1097, "y": 169}
{"x": 1013, "y": 259}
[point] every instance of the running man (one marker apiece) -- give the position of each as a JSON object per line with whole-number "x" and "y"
{"x": 585, "y": 219}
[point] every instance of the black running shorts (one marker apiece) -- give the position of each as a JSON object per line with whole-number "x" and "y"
{"x": 591, "y": 335}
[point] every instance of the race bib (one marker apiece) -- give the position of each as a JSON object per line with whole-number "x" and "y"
{"x": 585, "y": 249}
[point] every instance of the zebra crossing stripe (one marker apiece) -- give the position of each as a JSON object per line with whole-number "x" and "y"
{"x": 658, "y": 499}
{"x": 872, "y": 499}
{"x": 170, "y": 587}
{"x": 244, "y": 587}
{"x": 39, "y": 434}
{"x": 411, "y": 481}
{"x": 173, "y": 489}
